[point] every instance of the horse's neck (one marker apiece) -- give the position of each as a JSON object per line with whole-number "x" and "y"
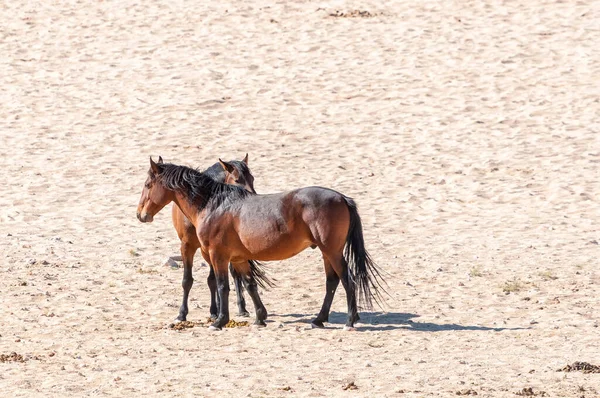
{"x": 191, "y": 211}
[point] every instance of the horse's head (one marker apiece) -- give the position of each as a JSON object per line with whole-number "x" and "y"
{"x": 238, "y": 173}
{"x": 154, "y": 195}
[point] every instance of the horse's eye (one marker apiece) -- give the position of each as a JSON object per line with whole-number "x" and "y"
{"x": 147, "y": 185}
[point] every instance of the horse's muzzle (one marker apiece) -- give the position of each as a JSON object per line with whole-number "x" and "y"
{"x": 145, "y": 217}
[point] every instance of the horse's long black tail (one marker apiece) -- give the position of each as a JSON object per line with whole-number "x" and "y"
{"x": 258, "y": 273}
{"x": 363, "y": 270}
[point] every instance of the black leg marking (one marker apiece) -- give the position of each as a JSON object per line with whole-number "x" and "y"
{"x": 187, "y": 281}
{"x": 223, "y": 293}
{"x": 330, "y": 287}
{"x": 239, "y": 292}
{"x": 259, "y": 308}
{"x": 212, "y": 286}
{"x": 350, "y": 288}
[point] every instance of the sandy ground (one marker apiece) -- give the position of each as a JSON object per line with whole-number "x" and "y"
{"x": 467, "y": 131}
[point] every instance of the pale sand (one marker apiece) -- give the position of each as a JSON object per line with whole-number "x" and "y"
{"x": 467, "y": 131}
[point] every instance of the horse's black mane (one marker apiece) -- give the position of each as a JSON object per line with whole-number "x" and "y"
{"x": 201, "y": 188}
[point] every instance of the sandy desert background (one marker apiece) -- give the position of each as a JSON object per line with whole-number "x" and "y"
{"x": 467, "y": 131}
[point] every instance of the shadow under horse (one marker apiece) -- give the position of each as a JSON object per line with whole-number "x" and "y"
{"x": 379, "y": 321}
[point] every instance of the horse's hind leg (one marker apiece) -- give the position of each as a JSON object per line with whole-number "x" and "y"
{"x": 187, "y": 253}
{"x": 331, "y": 284}
{"x": 239, "y": 291}
{"x": 350, "y": 287}
{"x": 252, "y": 288}
{"x": 340, "y": 266}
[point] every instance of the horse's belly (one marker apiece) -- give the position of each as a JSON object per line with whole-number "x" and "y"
{"x": 273, "y": 248}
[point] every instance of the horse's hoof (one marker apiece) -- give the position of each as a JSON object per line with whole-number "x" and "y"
{"x": 245, "y": 314}
{"x": 213, "y": 328}
{"x": 259, "y": 324}
{"x": 317, "y": 325}
{"x": 349, "y": 328}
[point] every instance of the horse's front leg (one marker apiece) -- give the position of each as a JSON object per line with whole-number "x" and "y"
{"x": 222, "y": 277}
{"x": 239, "y": 291}
{"x": 187, "y": 253}
{"x": 212, "y": 287}
{"x": 214, "y": 298}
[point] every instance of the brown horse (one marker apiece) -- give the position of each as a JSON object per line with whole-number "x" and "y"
{"x": 234, "y": 172}
{"x": 235, "y": 226}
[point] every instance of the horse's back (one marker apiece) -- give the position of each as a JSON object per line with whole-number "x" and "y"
{"x": 318, "y": 196}
{"x": 292, "y": 203}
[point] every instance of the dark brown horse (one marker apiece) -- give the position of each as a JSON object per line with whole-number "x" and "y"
{"x": 235, "y": 226}
{"x": 234, "y": 172}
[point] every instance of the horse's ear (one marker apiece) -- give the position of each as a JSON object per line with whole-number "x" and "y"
{"x": 226, "y": 166}
{"x": 154, "y": 166}
{"x": 160, "y": 161}
{"x": 245, "y": 160}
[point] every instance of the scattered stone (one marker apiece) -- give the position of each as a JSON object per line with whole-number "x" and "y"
{"x": 146, "y": 271}
{"x": 583, "y": 367}
{"x": 171, "y": 263}
{"x": 350, "y": 386}
{"x": 528, "y": 392}
{"x": 352, "y": 14}
{"x": 466, "y": 392}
